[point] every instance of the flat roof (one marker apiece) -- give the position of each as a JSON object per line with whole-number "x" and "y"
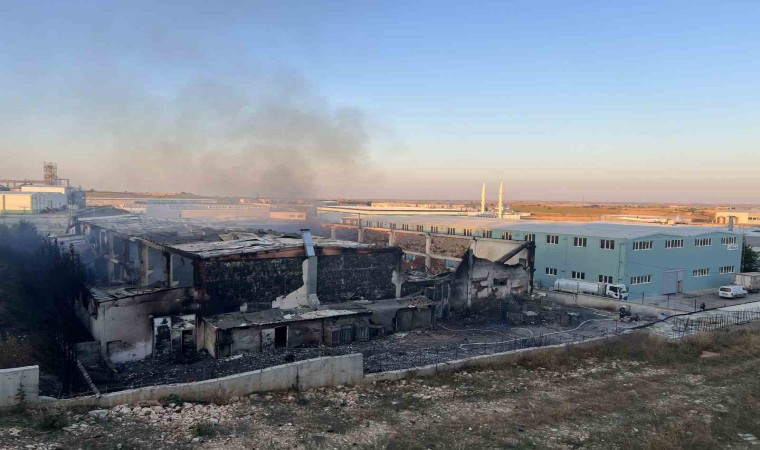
{"x": 275, "y": 316}
{"x": 176, "y": 231}
{"x": 600, "y": 229}
{"x": 108, "y": 294}
{"x": 258, "y": 244}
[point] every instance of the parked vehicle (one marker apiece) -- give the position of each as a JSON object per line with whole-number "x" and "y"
{"x": 732, "y": 291}
{"x": 616, "y": 291}
{"x": 750, "y": 281}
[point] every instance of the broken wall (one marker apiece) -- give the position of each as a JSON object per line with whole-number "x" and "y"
{"x": 376, "y": 237}
{"x": 488, "y": 281}
{"x": 124, "y": 327}
{"x": 353, "y": 275}
{"x": 449, "y": 246}
{"x": 410, "y": 241}
{"x": 347, "y": 234}
{"x": 414, "y": 262}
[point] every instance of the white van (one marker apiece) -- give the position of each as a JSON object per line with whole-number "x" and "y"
{"x": 732, "y": 291}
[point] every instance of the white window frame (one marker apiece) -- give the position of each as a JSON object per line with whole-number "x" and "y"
{"x": 607, "y": 244}
{"x": 727, "y": 269}
{"x": 606, "y": 279}
{"x": 642, "y": 245}
{"x": 551, "y": 271}
{"x": 702, "y": 242}
{"x": 673, "y": 243}
{"x": 641, "y": 279}
{"x": 728, "y": 240}
{"x": 467, "y": 231}
{"x": 530, "y": 237}
{"x": 580, "y": 241}
{"x": 451, "y": 230}
{"x": 506, "y": 235}
{"x": 577, "y": 275}
{"x": 552, "y": 239}
{"x": 698, "y": 273}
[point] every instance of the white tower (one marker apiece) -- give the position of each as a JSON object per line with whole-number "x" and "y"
{"x": 501, "y": 199}
{"x": 483, "y": 199}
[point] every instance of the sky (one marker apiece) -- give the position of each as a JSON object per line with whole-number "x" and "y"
{"x": 584, "y": 100}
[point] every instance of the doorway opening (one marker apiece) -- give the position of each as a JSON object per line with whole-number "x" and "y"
{"x": 281, "y": 337}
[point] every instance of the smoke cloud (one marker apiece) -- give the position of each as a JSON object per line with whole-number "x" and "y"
{"x": 151, "y": 99}
{"x": 211, "y": 137}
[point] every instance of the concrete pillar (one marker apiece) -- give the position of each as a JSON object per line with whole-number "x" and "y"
{"x": 360, "y": 237}
{"x": 428, "y": 247}
{"x": 144, "y": 264}
{"x": 169, "y": 269}
{"x": 470, "y": 269}
{"x": 111, "y": 257}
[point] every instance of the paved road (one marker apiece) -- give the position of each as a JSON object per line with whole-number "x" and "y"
{"x": 691, "y": 301}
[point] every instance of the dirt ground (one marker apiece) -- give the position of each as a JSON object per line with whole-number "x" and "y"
{"x": 635, "y": 391}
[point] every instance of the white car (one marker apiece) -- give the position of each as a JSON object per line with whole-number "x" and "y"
{"x": 732, "y": 291}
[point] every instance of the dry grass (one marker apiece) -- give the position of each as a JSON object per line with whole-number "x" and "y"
{"x": 636, "y": 392}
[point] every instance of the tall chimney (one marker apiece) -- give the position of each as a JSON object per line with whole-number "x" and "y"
{"x": 501, "y": 199}
{"x": 483, "y": 199}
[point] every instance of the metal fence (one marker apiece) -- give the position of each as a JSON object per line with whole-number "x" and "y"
{"x": 711, "y": 321}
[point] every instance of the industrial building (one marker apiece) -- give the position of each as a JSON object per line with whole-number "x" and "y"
{"x": 741, "y": 217}
{"x": 159, "y": 280}
{"x": 650, "y": 259}
{"x": 13, "y": 202}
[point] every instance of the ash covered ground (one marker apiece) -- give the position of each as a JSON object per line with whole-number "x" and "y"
{"x": 451, "y": 339}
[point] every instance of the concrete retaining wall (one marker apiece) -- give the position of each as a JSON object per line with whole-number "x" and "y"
{"x": 310, "y": 373}
{"x": 26, "y": 378}
{"x": 608, "y": 304}
{"x": 473, "y": 362}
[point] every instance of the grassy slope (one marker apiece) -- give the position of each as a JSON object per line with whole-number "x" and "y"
{"x": 635, "y": 392}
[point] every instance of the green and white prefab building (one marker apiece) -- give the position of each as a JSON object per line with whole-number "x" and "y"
{"x": 651, "y": 260}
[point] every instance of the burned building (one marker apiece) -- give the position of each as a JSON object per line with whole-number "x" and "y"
{"x": 481, "y": 267}
{"x": 334, "y": 324}
{"x": 126, "y": 321}
{"x": 158, "y": 277}
{"x": 262, "y": 272}
{"x": 242, "y": 332}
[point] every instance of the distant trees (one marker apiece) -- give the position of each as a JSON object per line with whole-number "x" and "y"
{"x": 750, "y": 259}
{"x": 39, "y": 283}
{"x": 42, "y": 280}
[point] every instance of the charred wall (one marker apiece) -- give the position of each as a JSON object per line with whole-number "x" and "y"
{"x": 411, "y": 242}
{"x": 376, "y": 237}
{"x": 449, "y": 246}
{"x": 485, "y": 282}
{"x": 414, "y": 262}
{"x": 258, "y": 281}
{"x": 347, "y": 234}
{"x": 351, "y": 275}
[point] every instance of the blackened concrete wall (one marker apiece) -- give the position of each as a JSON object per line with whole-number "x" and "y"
{"x": 449, "y": 246}
{"x": 411, "y": 242}
{"x": 368, "y": 275}
{"x": 376, "y": 237}
{"x": 258, "y": 281}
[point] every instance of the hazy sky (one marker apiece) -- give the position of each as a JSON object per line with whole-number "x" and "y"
{"x": 632, "y": 100}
